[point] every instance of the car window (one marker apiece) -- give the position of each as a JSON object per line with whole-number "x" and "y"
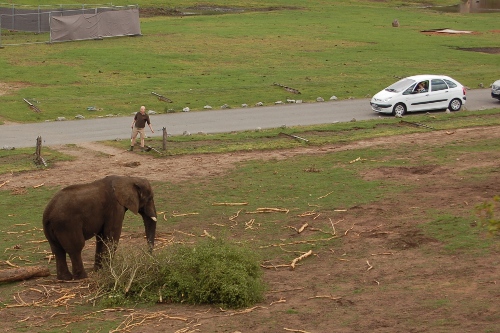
{"x": 438, "y": 84}
{"x": 410, "y": 90}
{"x": 400, "y": 86}
{"x": 451, "y": 84}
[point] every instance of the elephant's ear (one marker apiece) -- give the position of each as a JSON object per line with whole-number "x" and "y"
{"x": 126, "y": 192}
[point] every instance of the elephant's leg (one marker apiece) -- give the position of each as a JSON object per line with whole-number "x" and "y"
{"x": 73, "y": 244}
{"x": 63, "y": 272}
{"x": 77, "y": 265}
{"x": 104, "y": 250}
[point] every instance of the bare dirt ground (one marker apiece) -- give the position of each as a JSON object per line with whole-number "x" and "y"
{"x": 386, "y": 276}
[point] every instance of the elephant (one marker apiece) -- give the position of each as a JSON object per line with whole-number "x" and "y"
{"x": 79, "y": 212}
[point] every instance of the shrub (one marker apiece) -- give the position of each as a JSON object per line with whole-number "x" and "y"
{"x": 210, "y": 272}
{"x": 213, "y": 272}
{"x": 486, "y": 212}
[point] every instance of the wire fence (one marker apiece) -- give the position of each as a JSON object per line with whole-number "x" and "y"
{"x": 16, "y": 18}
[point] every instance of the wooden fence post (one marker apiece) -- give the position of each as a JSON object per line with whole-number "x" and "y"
{"x": 164, "y": 138}
{"x": 38, "y": 152}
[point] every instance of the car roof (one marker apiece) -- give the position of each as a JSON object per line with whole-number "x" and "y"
{"x": 428, "y": 77}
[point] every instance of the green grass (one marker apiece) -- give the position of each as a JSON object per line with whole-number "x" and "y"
{"x": 23, "y": 159}
{"x": 235, "y": 58}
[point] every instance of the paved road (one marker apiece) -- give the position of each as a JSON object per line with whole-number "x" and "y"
{"x": 213, "y": 121}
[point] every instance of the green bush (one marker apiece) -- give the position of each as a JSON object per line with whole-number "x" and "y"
{"x": 489, "y": 218}
{"x": 210, "y": 272}
{"x": 213, "y": 272}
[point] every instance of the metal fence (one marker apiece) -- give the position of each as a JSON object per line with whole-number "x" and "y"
{"x": 36, "y": 19}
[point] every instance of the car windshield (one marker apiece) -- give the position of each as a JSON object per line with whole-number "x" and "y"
{"x": 400, "y": 86}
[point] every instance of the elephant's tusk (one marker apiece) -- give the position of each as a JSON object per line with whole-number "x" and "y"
{"x": 153, "y": 218}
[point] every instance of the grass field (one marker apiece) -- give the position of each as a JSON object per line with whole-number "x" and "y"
{"x": 343, "y": 48}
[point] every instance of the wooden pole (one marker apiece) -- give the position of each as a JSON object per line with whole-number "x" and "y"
{"x": 164, "y": 138}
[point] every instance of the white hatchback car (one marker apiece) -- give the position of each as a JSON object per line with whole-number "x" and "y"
{"x": 495, "y": 90}
{"x": 420, "y": 93}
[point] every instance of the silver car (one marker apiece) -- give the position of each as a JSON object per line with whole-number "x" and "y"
{"x": 495, "y": 90}
{"x": 420, "y": 93}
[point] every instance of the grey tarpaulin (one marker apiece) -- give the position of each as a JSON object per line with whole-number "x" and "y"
{"x": 93, "y": 26}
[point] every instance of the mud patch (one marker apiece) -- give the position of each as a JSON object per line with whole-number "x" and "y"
{"x": 489, "y": 50}
{"x": 409, "y": 240}
{"x": 7, "y": 88}
{"x": 205, "y": 10}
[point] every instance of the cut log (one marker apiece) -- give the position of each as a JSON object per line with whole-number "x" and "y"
{"x": 23, "y": 273}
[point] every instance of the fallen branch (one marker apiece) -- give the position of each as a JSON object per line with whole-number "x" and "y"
{"x": 269, "y": 210}
{"x": 416, "y": 124}
{"x": 205, "y": 233}
{"x": 310, "y": 213}
{"x": 369, "y": 266}
{"x": 5, "y": 182}
{"x": 329, "y": 297}
{"x": 305, "y": 225}
{"x": 247, "y": 310}
{"x": 136, "y": 319}
{"x": 324, "y": 196}
{"x": 162, "y": 98}
{"x": 292, "y": 330}
{"x": 174, "y": 214}
{"x": 293, "y": 136}
{"x": 296, "y": 260}
{"x": 281, "y": 300}
{"x": 299, "y": 242}
{"x": 235, "y": 215}
{"x": 230, "y": 203}
{"x": 249, "y": 224}
{"x": 23, "y": 273}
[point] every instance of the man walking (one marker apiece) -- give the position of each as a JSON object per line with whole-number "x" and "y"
{"x": 138, "y": 124}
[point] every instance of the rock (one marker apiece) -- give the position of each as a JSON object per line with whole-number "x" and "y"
{"x": 395, "y": 23}
{"x": 320, "y": 99}
{"x": 60, "y": 118}
{"x": 244, "y": 105}
{"x": 333, "y": 98}
{"x": 259, "y": 104}
{"x": 298, "y": 101}
{"x": 186, "y": 109}
{"x": 186, "y": 133}
{"x": 8, "y": 148}
{"x": 207, "y": 107}
{"x": 225, "y": 106}
{"x": 151, "y": 112}
{"x": 278, "y": 102}
{"x": 79, "y": 116}
{"x": 290, "y": 101}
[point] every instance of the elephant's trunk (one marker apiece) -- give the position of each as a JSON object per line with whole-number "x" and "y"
{"x": 150, "y": 226}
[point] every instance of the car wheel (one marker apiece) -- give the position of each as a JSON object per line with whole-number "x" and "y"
{"x": 399, "y": 110}
{"x": 455, "y": 104}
